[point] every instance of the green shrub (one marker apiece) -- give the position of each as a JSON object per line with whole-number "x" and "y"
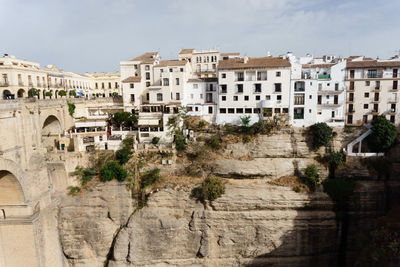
{"x": 229, "y": 128}
{"x": 246, "y": 139}
{"x": 111, "y": 170}
{"x": 71, "y": 108}
{"x": 123, "y": 118}
{"x": 202, "y": 123}
{"x": 72, "y": 93}
{"x": 84, "y": 174}
{"x": 214, "y": 141}
{"x": 123, "y": 155}
{"x": 73, "y": 190}
{"x": 149, "y": 178}
{"x": 334, "y": 159}
{"x": 128, "y": 142}
{"x": 311, "y": 176}
{"x": 62, "y": 93}
{"x": 321, "y": 134}
{"x": 339, "y": 190}
{"x": 49, "y": 93}
{"x": 211, "y": 189}
{"x": 155, "y": 140}
{"x": 33, "y": 92}
{"x": 383, "y": 134}
{"x": 245, "y": 124}
{"x": 180, "y": 143}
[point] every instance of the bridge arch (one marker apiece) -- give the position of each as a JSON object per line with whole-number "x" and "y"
{"x": 51, "y": 126}
{"x": 11, "y": 189}
{"x": 21, "y": 93}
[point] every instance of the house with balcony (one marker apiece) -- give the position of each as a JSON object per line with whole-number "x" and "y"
{"x": 255, "y": 87}
{"x": 372, "y": 90}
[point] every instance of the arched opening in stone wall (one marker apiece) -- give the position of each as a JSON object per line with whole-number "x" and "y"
{"x": 21, "y": 93}
{"x": 11, "y": 190}
{"x": 51, "y": 132}
{"x": 56, "y": 94}
{"x": 44, "y": 94}
{"x": 7, "y": 94}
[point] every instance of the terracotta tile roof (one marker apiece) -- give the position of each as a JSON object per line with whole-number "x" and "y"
{"x": 372, "y": 64}
{"x": 132, "y": 79}
{"x": 171, "y": 63}
{"x": 327, "y": 65}
{"x": 186, "y": 51}
{"x": 230, "y": 54}
{"x": 146, "y": 57}
{"x": 238, "y": 63}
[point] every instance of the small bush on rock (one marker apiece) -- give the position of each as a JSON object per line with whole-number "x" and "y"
{"x": 214, "y": 142}
{"x": 321, "y": 134}
{"x": 211, "y": 189}
{"x": 155, "y": 140}
{"x": 123, "y": 155}
{"x": 149, "y": 178}
{"x": 111, "y": 170}
{"x": 311, "y": 176}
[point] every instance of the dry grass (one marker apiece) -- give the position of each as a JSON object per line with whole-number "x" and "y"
{"x": 184, "y": 180}
{"x": 293, "y": 182}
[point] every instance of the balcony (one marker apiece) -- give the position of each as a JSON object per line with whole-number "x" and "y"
{"x": 4, "y": 84}
{"x": 329, "y": 91}
{"x": 324, "y": 76}
{"x": 374, "y": 75}
{"x": 298, "y": 116}
{"x": 331, "y": 104}
{"x": 223, "y": 91}
{"x": 239, "y": 79}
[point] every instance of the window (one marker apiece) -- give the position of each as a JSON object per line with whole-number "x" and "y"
{"x": 223, "y": 75}
{"x": 257, "y": 87}
{"x": 147, "y": 75}
{"x": 131, "y": 85}
{"x": 246, "y": 98}
{"x": 336, "y": 86}
{"x": 240, "y": 88}
{"x": 116, "y": 85}
{"x": 395, "y": 83}
{"x": 365, "y": 106}
{"x": 267, "y": 97}
{"x": 239, "y": 110}
{"x": 147, "y": 67}
{"x": 196, "y": 108}
{"x": 97, "y": 86}
{"x": 189, "y": 108}
{"x": 195, "y": 86}
{"x": 279, "y": 97}
{"x": 258, "y": 97}
{"x": 147, "y": 84}
{"x": 109, "y": 85}
{"x": 235, "y": 98}
{"x": 231, "y": 110}
{"x": 147, "y": 96}
{"x": 159, "y": 97}
{"x": 367, "y": 83}
{"x": 240, "y": 76}
{"x": 278, "y": 74}
{"x": 223, "y": 88}
{"x": 178, "y": 96}
{"x": 350, "y": 119}
{"x": 310, "y": 96}
{"x": 191, "y": 96}
{"x": 166, "y": 81}
{"x": 170, "y": 70}
{"x": 222, "y": 110}
{"x": 392, "y": 119}
{"x": 201, "y": 96}
{"x": 277, "y": 110}
{"x": 278, "y": 87}
{"x": 366, "y": 94}
{"x": 285, "y": 110}
{"x": 210, "y": 110}
{"x": 135, "y": 67}
{"x": 181, "y": 69}
{"x": 177, "y": 81}
{"x": 132, "y": 98}
{"x": 248, "y": 110}
{"x": 256, "y": 110}
{"x": 102, "y": 85}
{"x": 223, "y": 98}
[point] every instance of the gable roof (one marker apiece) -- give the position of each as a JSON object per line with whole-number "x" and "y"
{"x": 171, "y": 63}
{"x": 148, "y": 57}
{"x": 255, "y": 62}
{"x": 132, "y": 79}
{"x": 186, "y": 51}
{"x": 372, "y": 64}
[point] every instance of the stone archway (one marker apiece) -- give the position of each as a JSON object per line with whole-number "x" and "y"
{"x": 7, "y": 94}
{"x": 51, "y": 131}
{"x": 11, "y": 190}
{"x": 21, "y": 93}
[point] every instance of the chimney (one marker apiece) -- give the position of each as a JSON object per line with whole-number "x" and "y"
{"x": 246, "y": 58}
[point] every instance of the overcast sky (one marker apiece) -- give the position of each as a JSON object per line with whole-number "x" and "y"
{"x": 95, "y": 35}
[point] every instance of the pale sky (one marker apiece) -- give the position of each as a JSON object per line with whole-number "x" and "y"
{"x": 95, "y": 35}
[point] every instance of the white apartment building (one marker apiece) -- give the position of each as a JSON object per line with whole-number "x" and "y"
{"x": 257, "y": 87}
{"x": 372, "y": 90}
{"x": 317, "y": 91}
{"x": 201, "y": 97}
{"x": 204, "y": 63}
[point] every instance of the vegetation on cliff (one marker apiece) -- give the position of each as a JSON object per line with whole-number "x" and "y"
{"x": 322, "y": 135}
{"x": 212, "y": 188}
{"x": 383, "y": 134}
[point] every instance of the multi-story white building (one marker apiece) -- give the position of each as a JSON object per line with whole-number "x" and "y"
{"x": 372, "y": 90}
{"x": 204, "y": 62}
{"x": 317, "y": 91}
{"x": 104, "y": 84}
{"x": 257, "y": 87}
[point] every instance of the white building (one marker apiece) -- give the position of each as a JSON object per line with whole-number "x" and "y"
{"x": 317, "y": 91}
{"x": 257, "y": 87}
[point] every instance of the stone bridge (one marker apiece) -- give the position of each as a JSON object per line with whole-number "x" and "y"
{"x": 31, "y": 171}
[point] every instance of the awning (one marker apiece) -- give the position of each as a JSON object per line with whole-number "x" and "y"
{"x": 148, "y": 121}
{"x": 79, "y": 93}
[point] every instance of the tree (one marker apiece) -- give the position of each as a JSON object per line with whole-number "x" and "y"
{"x": 245, "y": 124}
{"x": 383, "y": 134}
{"x": 71, "y": 108}
{"x": 124, "y": 118}
{"x": 62, "y": 93}
{"x": 155, "y": 140}
{"x": 334, "y": 159}
{"x": 321, "y": 134}
{"x": 33, "y": 92}
{"x": 311, "y": 176}
{"x": 211, "y": 189}
{"x": 123, "y": 155}
{"x": 72, "y": 93}
{"x": 49, "y": 93}
{"x": 111, "y": 170}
